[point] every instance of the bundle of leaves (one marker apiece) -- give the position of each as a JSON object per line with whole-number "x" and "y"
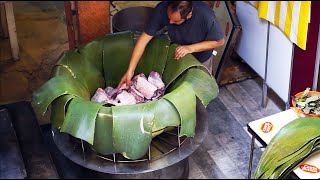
{"x": 294, "y": 142}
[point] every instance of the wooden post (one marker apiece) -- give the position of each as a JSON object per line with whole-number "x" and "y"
{"x": 93, "y": 19}
{"x": 71, "y": 26}
{"x": 4, "y": 26}
{"x": 12, "y": 30}
{"x": 86, "y": 21}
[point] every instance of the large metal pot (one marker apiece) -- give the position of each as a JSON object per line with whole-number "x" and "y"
{"x": 134, "y": 19}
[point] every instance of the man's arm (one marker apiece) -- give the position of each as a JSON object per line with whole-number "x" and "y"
{"x": 181, "y": 51}
{"x": 138, "y": 50}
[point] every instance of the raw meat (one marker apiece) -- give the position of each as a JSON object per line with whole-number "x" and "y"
{"x": 159, "y": 93}
{"x": 139, "y": 97}
{"x": 124, "y": 98}
{"x": 141, "y": 90}
{"x": 155, "y": 79}
{"x": 100, "y": 96}
{"x": 144, "y": 86}
{"x": 111, "y": 91}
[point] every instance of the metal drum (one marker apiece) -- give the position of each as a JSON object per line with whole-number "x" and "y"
{"x": 172, "y": 164}
{"x": 135, "y": 19}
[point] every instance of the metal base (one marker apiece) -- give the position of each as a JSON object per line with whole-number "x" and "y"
{"x": 174, "y": 165}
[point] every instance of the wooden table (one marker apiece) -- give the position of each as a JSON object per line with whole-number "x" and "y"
{"x": 8, "y": 27}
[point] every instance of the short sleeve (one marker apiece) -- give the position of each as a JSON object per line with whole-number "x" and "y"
{"x": 157, "y": 20}
{"x": 215, "y": 31}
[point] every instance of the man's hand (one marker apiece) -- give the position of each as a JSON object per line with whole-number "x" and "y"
{"x": 181, "y": 51}
{"x": 126, "y": 79}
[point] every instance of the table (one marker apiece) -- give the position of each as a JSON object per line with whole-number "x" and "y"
{"x": 266, "y": 128}
{"x": 8, "y": 26}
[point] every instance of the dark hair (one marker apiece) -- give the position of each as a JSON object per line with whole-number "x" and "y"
{"x": 184, "y": 7}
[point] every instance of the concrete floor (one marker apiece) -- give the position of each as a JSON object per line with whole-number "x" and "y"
{"x": 42, "y": 37}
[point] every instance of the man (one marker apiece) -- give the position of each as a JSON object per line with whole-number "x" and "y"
{"x": 192, "y": 24}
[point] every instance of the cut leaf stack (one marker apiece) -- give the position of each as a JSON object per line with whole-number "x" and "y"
{"x": 294, "y": 142}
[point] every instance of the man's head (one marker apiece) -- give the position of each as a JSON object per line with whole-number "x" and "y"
{"x": 179, "y": 11}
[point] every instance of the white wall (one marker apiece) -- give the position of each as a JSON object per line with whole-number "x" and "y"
{"x": 253, "y": 37}
{"x": 279, "y": 63}
{"x": 252, "y": 49}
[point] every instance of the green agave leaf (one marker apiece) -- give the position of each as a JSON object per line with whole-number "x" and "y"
{"x": 290, "y": 165}
{"x": 165, "y": 114}
{"x": 132, "y": 127}
{"x": 55, "y": 87}
{"x": 117, "y": 50}
{"x": 184, "y": 99}
{"x": 92, "y": 53}
{"x": 62, "y": 70}
{"x": 82, "y": 69}
{"x": 286, "y": 168}
{"x": 203, "y": 84}
{"x": 302, "y": 129}
{"x": 174, "y": 68}
{"x": 103, "y": 142}
{"x": 301, "y": 152}
{"x": 81, "y": 118}
{"x": 154, "y": 57}
{"x": 58, "y": 110}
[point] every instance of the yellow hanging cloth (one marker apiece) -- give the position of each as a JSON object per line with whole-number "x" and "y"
{"x": 291, "y": 17}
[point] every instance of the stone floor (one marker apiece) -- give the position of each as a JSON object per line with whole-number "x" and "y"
{"x": 42, "y": 37}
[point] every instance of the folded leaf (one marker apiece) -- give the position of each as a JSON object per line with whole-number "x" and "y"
{"x": 132, "y": 127}
{"x": 81, "y": 119}
{"x": 55, "y": 87}
{"x": 89, "y": 75}
{"x": 117, "y": 50}
{"x": 58, "y": 110}
{"x": 203, "y": 84}
{"x": 154, "y": 57}
{"x": 162, "y": 120}
{"x": 174, "y": 68}
{"x": 184, "y": 99}
{"x": 103, "y": 142}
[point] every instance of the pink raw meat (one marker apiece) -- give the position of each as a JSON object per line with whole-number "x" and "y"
{"x": 139, "y": 97}
{"x": 144, "y": 86}
{"x": 155, "y": 79}
{"x": 124, "y": 98}
{"x": 100, "y": 96}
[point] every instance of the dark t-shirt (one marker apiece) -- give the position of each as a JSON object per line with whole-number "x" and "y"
{"x": 202, "y": 26}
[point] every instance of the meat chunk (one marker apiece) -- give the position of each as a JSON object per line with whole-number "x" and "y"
{"x": 141, "y": 90}
{"x": 158, "y": 94}
{"x": 100, "y": 96}
{"x": 155, "y": 79}
{"x": 124, "y": 98}
{"x": 112, "y": 92}
{"x": 144, "y": 86}
{"x": 139, "y": 97}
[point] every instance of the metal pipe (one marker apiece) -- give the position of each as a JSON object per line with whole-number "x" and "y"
{"x": 251, "y": 156}
{"x": 264, "y": 85}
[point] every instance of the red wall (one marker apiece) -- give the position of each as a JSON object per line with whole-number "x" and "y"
{"x": 304, "y": 60}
